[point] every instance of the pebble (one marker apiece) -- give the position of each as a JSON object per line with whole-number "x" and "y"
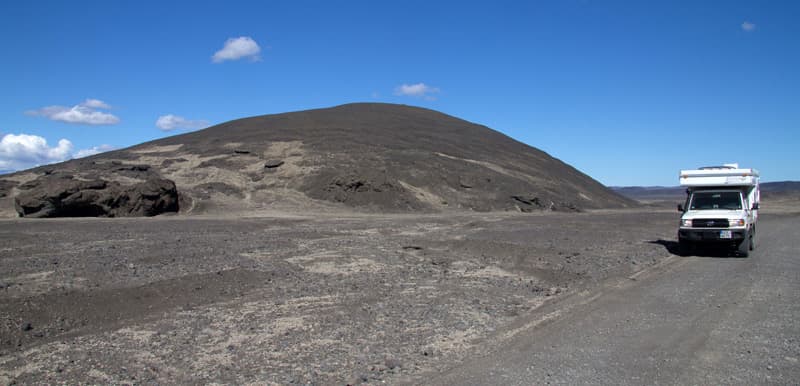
{"x": 26, "y": 327}
{"x": 392, "y": 363}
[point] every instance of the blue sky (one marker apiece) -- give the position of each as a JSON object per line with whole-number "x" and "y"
{"x": 628, "y": 92}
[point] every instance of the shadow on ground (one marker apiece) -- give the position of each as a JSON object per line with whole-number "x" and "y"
{"x": 699, "y": 250}
{"x": 670, "y": 245}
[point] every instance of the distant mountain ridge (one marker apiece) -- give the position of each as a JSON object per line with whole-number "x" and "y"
{"x": 768, "y": 189}
{"x": 365, "y": 156}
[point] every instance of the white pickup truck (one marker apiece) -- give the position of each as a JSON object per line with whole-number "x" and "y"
{"x": 721, "y": 208}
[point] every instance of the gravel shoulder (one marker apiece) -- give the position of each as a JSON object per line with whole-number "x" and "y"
{"x": 329, "y": 299}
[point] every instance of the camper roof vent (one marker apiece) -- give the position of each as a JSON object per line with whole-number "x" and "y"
{"x": 724, "y": 166}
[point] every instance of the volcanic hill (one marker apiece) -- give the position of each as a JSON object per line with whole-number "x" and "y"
{"x": 365, "y": 156}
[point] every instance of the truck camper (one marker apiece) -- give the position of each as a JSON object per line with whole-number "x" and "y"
{"x": 721, "y": 208}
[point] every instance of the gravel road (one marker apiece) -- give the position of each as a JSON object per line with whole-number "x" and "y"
{"x": 688, "y": 320}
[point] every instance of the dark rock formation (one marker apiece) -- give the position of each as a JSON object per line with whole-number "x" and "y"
{"x": 62, "y": 195}
{"x": 528, "y": 204}
{"x": 150, "y": 198}
{"x": 171, "y": 161}
{"x": 273, "y": 163}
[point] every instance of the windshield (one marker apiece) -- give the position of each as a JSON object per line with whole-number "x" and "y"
{"x": 716, "y": 200}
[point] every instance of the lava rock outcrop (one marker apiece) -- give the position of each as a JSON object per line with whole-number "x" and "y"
{"x": 63, "y": 195}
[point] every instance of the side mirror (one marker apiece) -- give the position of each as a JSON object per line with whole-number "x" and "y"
{"x": 680, "y": 208}
{"x": 755, "y": 206}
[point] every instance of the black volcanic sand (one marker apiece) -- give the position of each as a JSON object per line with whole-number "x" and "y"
{"x": 370, "y": 157}
{"x": 325, "y": 300}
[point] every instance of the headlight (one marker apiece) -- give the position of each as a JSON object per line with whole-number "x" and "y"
{"x": 736, "y": 222}
{"x": 686, "y": 223}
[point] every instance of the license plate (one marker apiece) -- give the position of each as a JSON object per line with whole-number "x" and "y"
{"x": 725, "y": 234}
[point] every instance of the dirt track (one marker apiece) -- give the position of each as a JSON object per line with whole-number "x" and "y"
{"x": 292, "y": 299}
{"x": 696, "y": 320}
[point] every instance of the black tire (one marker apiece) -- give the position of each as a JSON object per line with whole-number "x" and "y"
{"x": 753, "y": 239}
{"x": 744, "y": 246}
{"x": 685, "y": 247}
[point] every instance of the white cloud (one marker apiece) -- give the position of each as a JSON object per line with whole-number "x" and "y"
{"x": 237, "y": 48}
{"x": 24, "y": 151}
{"x": 83, "y": 113}
{"x": 748, "y": 26}
{"x": 171, "y": 122}
{"x": 96, "y": 104}
{"x": 419, "y": 90}
{"x": 93, "y": 150}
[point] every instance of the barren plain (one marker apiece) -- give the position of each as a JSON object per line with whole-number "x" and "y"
{"x": 330, "y": 299}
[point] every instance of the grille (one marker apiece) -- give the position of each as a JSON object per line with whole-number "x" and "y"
{"x": 710, "y": 223}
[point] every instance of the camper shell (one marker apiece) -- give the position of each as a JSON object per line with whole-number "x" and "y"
{"x": 721, "y": 207}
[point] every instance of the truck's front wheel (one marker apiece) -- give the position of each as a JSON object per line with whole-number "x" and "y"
{"x": 744, "y": 246}
{"x": 685, "y": 247}
{"x": 753, "y": 239}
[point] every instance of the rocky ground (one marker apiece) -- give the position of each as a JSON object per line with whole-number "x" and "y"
{"x": 330, "y": 299}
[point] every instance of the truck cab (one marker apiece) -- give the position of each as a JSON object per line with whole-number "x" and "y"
{"x": 721, "y": 208}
